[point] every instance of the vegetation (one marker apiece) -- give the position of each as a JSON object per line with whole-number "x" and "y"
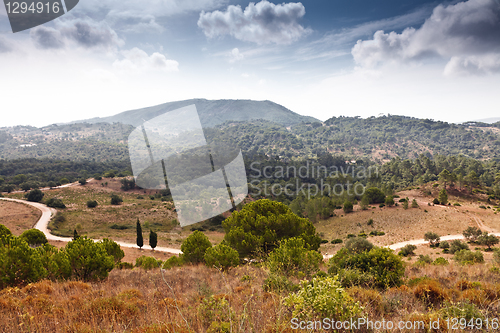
{"x": 292, "y": 258}
{"x": 220, "y": 256}
{"x": 194, "y": 247}
{"x": 34, "y": 237}
{"x": 432, "y": 238}
{"x": 139, "y": 240}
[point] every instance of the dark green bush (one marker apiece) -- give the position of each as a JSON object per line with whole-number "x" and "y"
{"x": 55, "y": 203}
{"x": 34, "y": 237}
{"x": 195, "y": 246}
{"x": 221, "y": 256}
{"x": 89, "y": 261}
{"x": 92, "y": 204}
{"x": 292, "y": 258}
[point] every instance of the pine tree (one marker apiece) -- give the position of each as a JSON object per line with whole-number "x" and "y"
{"x": 443, "y": 197}
{"x": 153, "y": 239}
{"x": 139, "y": 240}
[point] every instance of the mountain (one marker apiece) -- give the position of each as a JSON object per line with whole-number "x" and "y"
{"x": 488, "y": 120}
{"x": 212, "y": 113}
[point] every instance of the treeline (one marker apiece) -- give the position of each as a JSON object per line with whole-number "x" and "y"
{"x": 31, "y": 173}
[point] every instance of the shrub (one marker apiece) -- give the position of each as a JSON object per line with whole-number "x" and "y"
{"x": 55, "y": 203}
{"x": 259, "y": 226}
{"x": 292, "y": 258}
{"x": 354, "y": 277}
{"x": 82, "y": 181}
{"x": 443, "y": 197}
{"x": 19, "y": 263}
{"x": 147, "y": 262}
{"x": 457, "y": 204}
{"x": 221, "y": 256}
{"x": 113, "y": 249}
{"x": 351, "y": 236}
{"x": 370, "y": 222}
{"x": 435, "y": 201}
{"x": 358, "y": 245}
{"x": 88, "y": 260}
{"x": 431, "y": 292}
{"x": 124, "y": 265}
{"x": 444, "y": 245}
{"x": 174, "y": 261}
{"x": 424, "y": 260}
{"x": 323, "y": 298}
{"x": 116, "y": 200}
{"x": 4, "y": 231}
{"x": 92, "y": 204}
{"x": 34, "y": 237}
{"x": 467, "y": 257}
{"x": 382, "y": 205}
{"x": 407, "y": 250}
{"x": 374, "y": 195}
{"x": 496, "y": 256}
{"x": 336, "y": 241}
{"x": 432, "y": 238}
{"x": 386, "y": 268}
{"x": 440, "y": 262}
{"x": 462, "y": 309}
{"x": 34, "y": 195}
{"x": 414, "y": 204}
{"x": 195, "y": 246}
{"x": 348, "y": 207}
{"x": 389, "y": 200}
{"x": 457, "y": 245}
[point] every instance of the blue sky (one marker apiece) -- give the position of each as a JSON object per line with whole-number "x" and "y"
{"x": 324, "y": 58}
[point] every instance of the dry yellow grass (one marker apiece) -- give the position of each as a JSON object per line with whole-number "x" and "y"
{"x": 17, "y": 216}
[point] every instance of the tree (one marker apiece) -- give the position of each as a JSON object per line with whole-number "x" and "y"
{"x": 34, "y": 237}
{"x": 82, "y": 181}
{"x": 113, "y": 249}
{"x": 139, "y": 240}
{"x": 444, "y": 177}
{"x": 457, "y": 245}
{"x": 116, "y": 200}
{"x": 407, "y": 250}
{"x": 389, "y": 200}
{"x": 4, "y": 231}
{"x": 34, "y": 195}
{"x": 91, "y": 204}
{"x": 488, "y": 240}
{"x": 221, "y": 256}
{"x": 348, "y": 207}
{"x": 432, "y": 238}
{"x": 259, "y": 226}
{"x": 75, "y": 235}
{"x": 405, "y": 204}
{"x": 374, "y": 195}
{"x": 472, "y": 233}
{"x": 55, "y": 203}
{"x": 88, "y": 259}
{"x": 473, "y": 179}
{"x": 443, "y": 197}
{"x": 153, "y": 239}
{"x": 194, "y": 247}
{"x": 414, "y": 204}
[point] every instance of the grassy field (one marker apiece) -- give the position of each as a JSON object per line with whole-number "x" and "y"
{"x": 17, "y": 216}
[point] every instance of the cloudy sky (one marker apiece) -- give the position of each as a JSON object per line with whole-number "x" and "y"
{"x": 323, "y": 58}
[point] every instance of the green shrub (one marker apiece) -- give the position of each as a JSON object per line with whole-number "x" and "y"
{"x": 457, "y": 245}
{"x": 358, "y": 245}
{"x": 147, "y": 262}
{"x": 432, "y": 238}
{"x": 386, "y": 268}
{"x": 221, "y": 256}
{"x": 19, "y": 263}
{"x": 351, "y": 236}
{"x": 407, "y": 250}
{"x": 440, "y": 262}
{"x": 118, "y": 227}
{"x": 34, "y": 195}
{"x": 55, "y": 262}
{"x": 444, "y": 245}
{"x": 323, "y": 298}
{"x": 116, "y": 200}
{"x": 4, "y": 231}
{"x": 370, "y": 222}
{"x": 389, "y": 200}
{"x": 467, "y": 257}
{"x": 292, "y": 258}
{"x": 457, "y": 204}
{"x": 92, "y": 204}
{"x": 463, "y": 309}
{"x": 124, "y": 265}
{"x": 34, "y": 237}
{"x": 374, "y": 195}
{"x": 195, "y": 246}
{"x": 435, "y": 201}
{"x": 55, "y": 203}
{"x": 472, "y": 233}
{"x": 414, "y": 204}
{"x": 348, "y": 207}
{"x": 112, "y": 249}
{"x": 424, "y": 260}
{"x": 354, "y": 277}
{"x": 174, "y": 261}
{"x": 88, "y": 260}
{"x": 259, "y": 226}
{"x": 336, "y": 241}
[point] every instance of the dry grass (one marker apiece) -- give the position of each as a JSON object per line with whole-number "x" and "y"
{"x": 203, "y": 300}
{"x": 18, "y": 217}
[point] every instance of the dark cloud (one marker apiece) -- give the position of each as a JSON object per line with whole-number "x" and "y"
{"x": 467, "y": 34}
{"x": 47, "y": 38}
{"x": 261, "y": 23}
{"x": 90, "y": 35}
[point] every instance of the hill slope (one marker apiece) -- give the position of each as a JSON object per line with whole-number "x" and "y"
{"x": 212, "y": 112}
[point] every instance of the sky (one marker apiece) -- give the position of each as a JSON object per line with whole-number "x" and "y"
{"x": 322, "y": 58}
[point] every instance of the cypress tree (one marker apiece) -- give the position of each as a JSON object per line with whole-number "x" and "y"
{"x": 153, "y": 239}
{"x": 139, "y": 240}
{"x": 75, "y": 235}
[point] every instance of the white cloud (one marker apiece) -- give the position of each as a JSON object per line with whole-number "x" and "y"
{"x": 5, "y": 45}
{"x": 136, "y": 60}
{"x": 260, "y": 23}
{"x": 466, "y": 34}
{"x": 235, "y": 55}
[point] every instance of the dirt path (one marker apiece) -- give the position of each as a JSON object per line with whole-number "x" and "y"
{"x": 47, "y": 214}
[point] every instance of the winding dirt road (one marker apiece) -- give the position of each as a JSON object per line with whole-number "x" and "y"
{"x": 48, "y": 213}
